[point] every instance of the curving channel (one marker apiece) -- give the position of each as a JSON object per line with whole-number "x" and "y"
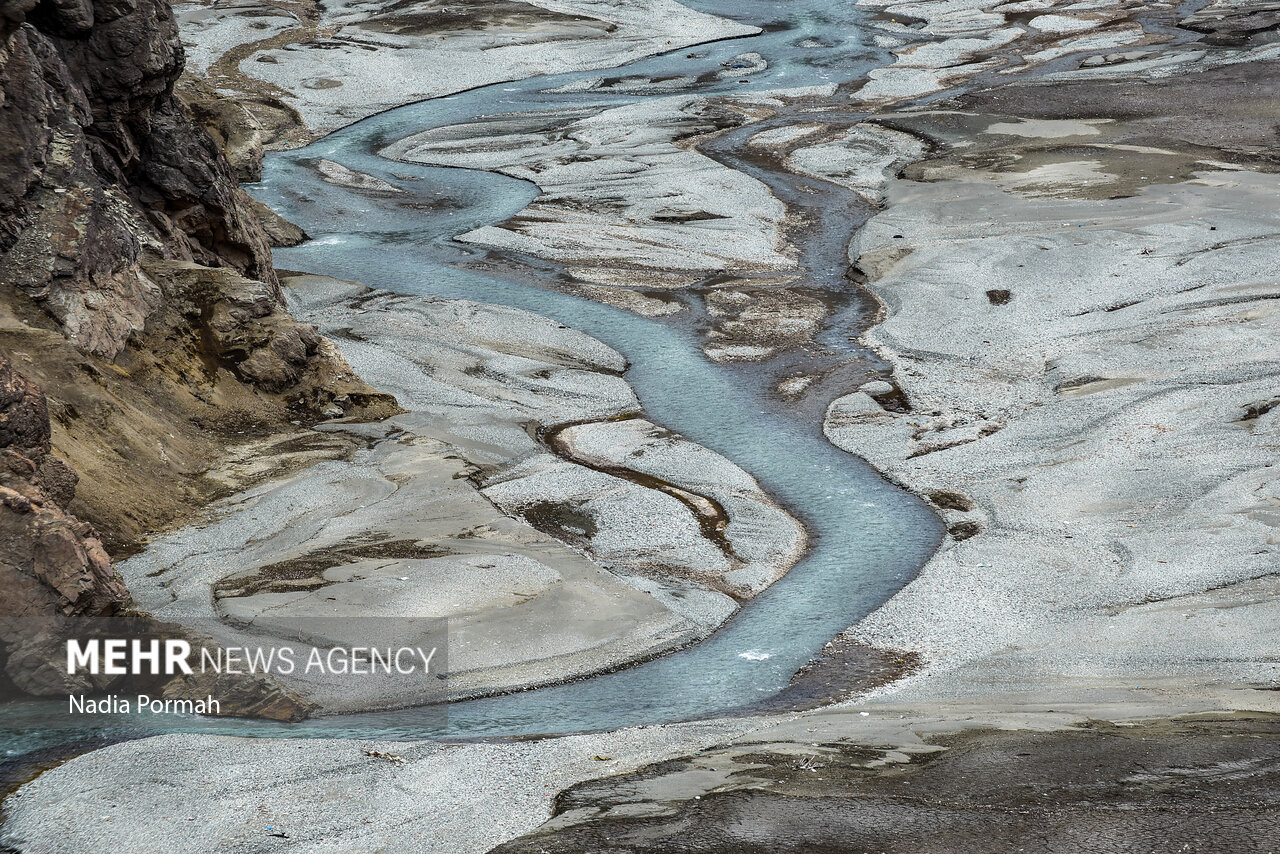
{"x": 867, "y": 537}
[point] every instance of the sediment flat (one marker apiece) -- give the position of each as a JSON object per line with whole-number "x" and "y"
{"x": 456, "y": 510}
{"x": 303, "y": 70}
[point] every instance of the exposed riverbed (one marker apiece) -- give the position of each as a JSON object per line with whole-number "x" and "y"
{"x": 1094, "y": 418}
{"x": 866, "y": 537}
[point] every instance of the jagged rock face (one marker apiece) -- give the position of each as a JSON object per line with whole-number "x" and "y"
{"x": 136, "y": 287}
{"x": 103, "y": 166}
{"x": 242, "y": 326}
{"x": 239, "y": 134}
{"x": 51, "y": 563}
{"x": 123, "y": 231}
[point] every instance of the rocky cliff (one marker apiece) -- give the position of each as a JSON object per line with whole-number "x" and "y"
{"x": 52, "y": 562}
{"x": 136, "y": 293}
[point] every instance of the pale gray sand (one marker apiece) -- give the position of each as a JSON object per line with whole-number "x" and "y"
{"x": 338, "y": 63}
{"x": 623, "y": 203}
{"x": 1097, "y": 415}
{"x": 187, "y": 793}
{"x": 426, "y": 522}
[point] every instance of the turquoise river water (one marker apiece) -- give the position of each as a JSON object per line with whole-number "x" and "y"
{"x": 867, "y": 538}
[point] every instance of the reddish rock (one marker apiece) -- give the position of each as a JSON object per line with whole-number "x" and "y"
{"x": 51, "y": 563}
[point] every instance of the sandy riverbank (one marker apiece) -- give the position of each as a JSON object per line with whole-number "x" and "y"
{"x": 1094, "y": 412}
{"x": 895, "y": 774}
{"x": 456, "y": 510}
{"x": 303, "y": 69}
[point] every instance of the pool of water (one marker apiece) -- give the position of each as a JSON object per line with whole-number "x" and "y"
{"x": 867, "y": 538}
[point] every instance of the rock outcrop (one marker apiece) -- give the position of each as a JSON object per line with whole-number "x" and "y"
{"x": 136, "y": 293}
{"x": 50, "y": 562}
{"x": 105, "y": 166}
{"x": 136, "y": 276}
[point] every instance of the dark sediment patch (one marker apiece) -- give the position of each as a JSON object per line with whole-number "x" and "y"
{"x": 1133, "y": 133}
{"x": 842, "y": 670}
{"x": 416, "y": 18}
{"x": 1236, "y": 24}
{"x": 306, "y": 573}
{"x": 563, "y": 520}
{"x": 1207, "y": 786}
{"x": 711, "y": 516}
{"x": 1229, "y": 110}
{"x": 949, "y": 499}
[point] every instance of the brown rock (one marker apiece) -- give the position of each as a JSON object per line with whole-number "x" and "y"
{"x": 24, "y": 415}
{"x": 104, "y": 165}
{"x": 51, "y": 563}
{"x": 279, "y": 230}
{"x": 136, "y": 287}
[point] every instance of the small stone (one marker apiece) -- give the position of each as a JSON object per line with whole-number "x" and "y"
{"x": 853, "y": 408}
{"x": 332, "y": 411}
{"x": 875, "y": 388}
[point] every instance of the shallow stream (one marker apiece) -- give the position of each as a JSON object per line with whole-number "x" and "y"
{"x": 867, "y": 538}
